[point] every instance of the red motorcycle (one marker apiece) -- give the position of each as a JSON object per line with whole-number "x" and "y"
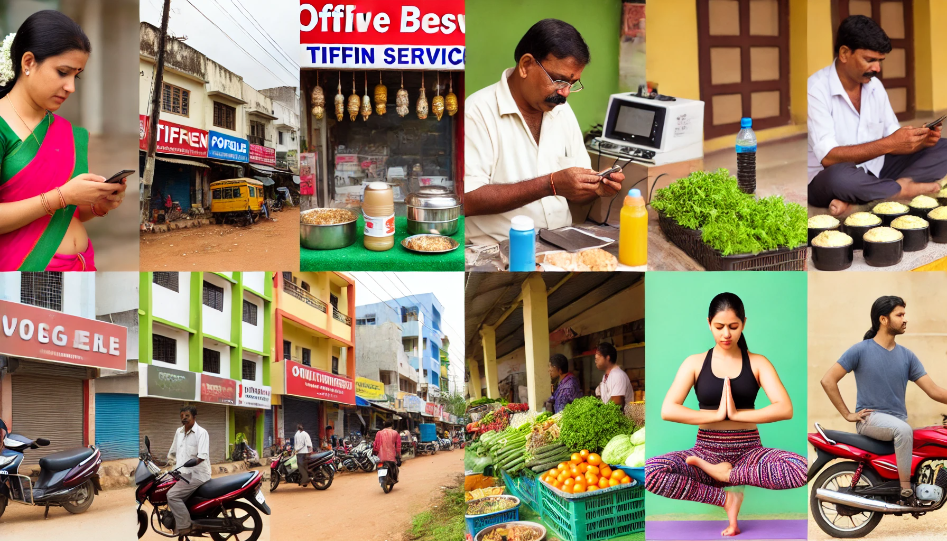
{"x": 849, "y": 498}
{"x": 216, "y": 508}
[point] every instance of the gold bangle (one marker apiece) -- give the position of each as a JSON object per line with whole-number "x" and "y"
{"x": 92, "y": 206}
{"x": 46, "y": 208}
{"x": 61, "y": 198}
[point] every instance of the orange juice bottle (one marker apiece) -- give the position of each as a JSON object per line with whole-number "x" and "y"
{"x": 633, "y": 233}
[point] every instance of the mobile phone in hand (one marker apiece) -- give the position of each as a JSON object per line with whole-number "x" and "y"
{"x": 930, "y": 125}
{"x": 613, "y": 169}
{"x": 118, "y": 177}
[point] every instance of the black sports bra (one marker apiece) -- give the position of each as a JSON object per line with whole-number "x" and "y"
{"x": 709, "y": 388}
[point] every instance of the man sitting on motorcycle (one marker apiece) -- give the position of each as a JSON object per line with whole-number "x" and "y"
{"x": 302, "y": 444}
{"x": 882, "y": 370}
{"x": 331, "y": 441}
{"x": 387, "y": 447}
{"x": 190, "y": 441}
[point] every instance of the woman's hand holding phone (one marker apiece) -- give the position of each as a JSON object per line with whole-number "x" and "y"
{"x": 113, "y": 199}
{"x": 85, "y": 189}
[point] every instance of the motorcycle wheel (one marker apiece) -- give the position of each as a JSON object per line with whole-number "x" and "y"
{"x": 82, "y": 503}
{"x": 248, "y": 513}
{"x": 367, "y": 465}
{"x": 326, "y": 481}
{"x": 142, "y": 523}
{"x": 3, "y": 505}
{"x": 274, "y": 481}
{"x": 387, "y": 486}
{"x": 849, "y": 523}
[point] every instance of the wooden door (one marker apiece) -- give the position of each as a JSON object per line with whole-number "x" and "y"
{"x": 897, "y": 70}
{"x": 744, "y": 63}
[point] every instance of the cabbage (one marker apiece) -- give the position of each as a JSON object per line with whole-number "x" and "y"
{"x": 638, "y": 438}
{"x": 636, "y": 458}
{"x": 618, "y": 449}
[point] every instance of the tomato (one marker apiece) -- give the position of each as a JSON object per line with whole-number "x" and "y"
{"x": 557, "y": 484}
{"x": 591, "y": 479}
{"x": 568, "y": 482}
{"x": 625, "y": 480}
{"x": 553, "y": 472}
{"x": 613, "y": 482}
{"x": 566, "y": 489}
{"x": 576, "y": 458}
{"x": 593, "y": 469}
{"x": 562, "y": 477}
{"x": 603, "y": 483}
{"x": 561, "y": 466}
{"x": 584, "y": 453}
{"x": 592, "y": 488}
{"x": 583, "y": 467}
{"x": 594, "y": 459}
{"x": 617, "y": 475}
{"x": 605, "y": 471}
{"x": 578, "y": 487}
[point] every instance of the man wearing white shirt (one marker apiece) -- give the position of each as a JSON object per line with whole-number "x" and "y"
{"x": 524, "y": 152}
{"x": 190, "y": 441}
{"x": 302, "y": 444}
{"x": 857, "y": 150}
{"x": 616, "y": 386}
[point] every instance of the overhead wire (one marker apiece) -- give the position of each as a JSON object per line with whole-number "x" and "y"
{"x": 248, "y": 16}
{"x": 247, "y": 32}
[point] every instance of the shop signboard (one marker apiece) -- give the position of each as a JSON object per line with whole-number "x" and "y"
{"x": 412, "y": 403}
{"x": 218, "y": 390}
{"x": 430, "y": 409}
{"x": 170, "y": 383}
{"x": 49, "y": 335}
{"x": 302, "y": 380}
{"x": 173, "y": 138}
{"x": 228, "y": 147}
{"x": 380, "y": 34}
{"x": 263, "y": 155}
{"x": 307, "y": 173}
{"x": 369, "y": 389}
{"x": 253, "y": 395}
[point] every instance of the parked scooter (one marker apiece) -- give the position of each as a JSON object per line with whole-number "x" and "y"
{"x": 850, "y": 497}
{"x": 68, "y": 479}
{"x": 283, "y": 467}
{"x": 223, "y": 508}
{"x": 427, "y": 448}
{"x": 384, "y": 477}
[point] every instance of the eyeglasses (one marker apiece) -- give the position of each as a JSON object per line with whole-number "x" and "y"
{"x": 562, "y": 85}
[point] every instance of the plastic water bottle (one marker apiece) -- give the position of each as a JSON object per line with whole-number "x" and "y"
{"x": 522, "y": 244}
{"x": 746, "y": 156}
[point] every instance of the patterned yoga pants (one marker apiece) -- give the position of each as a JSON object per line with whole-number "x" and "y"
{"x": 670, "y": 476}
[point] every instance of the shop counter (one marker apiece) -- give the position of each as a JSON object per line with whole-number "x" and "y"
{"x": 357, "y": 258}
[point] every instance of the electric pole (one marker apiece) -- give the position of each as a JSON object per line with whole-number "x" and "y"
{"x": 155, "y": 112}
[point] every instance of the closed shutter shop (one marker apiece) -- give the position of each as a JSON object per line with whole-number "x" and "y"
{"x": 47, "y": 403}
{"x": 160, "y": 418}
{"x": 297, "y": 411}
{"x": 116, "y": 425}
{"x": 268, "y": 428}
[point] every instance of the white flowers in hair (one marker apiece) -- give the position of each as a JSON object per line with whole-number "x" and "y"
{"x": 6, "y": 63}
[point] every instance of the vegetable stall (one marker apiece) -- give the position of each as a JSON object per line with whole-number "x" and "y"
{"x": 581, "y": 471}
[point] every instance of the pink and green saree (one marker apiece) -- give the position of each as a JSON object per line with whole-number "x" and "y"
{"x": 28, "y": 169}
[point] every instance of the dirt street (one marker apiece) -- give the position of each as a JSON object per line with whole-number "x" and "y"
{"x": 111, "y": 517}
{"x": 264, "y": 246}
{"x": 355, "y": 507}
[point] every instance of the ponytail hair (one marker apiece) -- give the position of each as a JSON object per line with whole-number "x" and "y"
{"x": 729, "y": 301}
{"x": 883, "y": 306}
{"x": 45, "y": 33}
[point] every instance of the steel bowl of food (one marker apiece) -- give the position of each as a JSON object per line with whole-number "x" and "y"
{"x": 520, "y": 530}
{"x": 429, "y": 244}
{"x": 433, "y": 210}
{"x": 327, "y": 229}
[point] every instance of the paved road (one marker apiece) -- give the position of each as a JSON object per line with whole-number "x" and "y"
{"x": 355, "y": 507}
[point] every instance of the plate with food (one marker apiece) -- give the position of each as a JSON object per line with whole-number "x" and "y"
{"x": 513, "y": 531}
{"x": 429, "y": 244}
{"x": 594, "y": 260}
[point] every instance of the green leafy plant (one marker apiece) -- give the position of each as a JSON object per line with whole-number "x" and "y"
{"x": 730, "y": 221}
{"x": 588, "y": 423}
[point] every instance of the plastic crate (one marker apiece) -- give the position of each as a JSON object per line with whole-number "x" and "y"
{"x": 476, "y": 523}
{"x": 597, "y": 516}
{"x": 525, "y": 487}
{"x": 690, "y": 241}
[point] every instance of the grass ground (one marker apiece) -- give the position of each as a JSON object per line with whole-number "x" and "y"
{"x": 445, "y": 521}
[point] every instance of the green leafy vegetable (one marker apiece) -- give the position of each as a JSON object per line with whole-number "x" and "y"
{"x": 618, "y": 449}
{"x": 587, "y": 423}
{"x": 732, "y": 222}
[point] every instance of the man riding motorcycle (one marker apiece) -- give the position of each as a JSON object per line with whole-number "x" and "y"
{"x": 387, "y": 447}
{"x": 191, "y": 441}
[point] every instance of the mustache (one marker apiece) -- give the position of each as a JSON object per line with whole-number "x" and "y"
{"x": 870, "y": 74}
{"x": 557, "y": 99}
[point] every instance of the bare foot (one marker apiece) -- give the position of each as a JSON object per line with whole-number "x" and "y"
{"x": 837, "y": 208}
{"x": 732, "y": 507}
{"x": 720, "y": 472}
{"x": 911, "y": 189}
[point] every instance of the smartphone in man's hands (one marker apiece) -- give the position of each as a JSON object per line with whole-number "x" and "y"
{"x": 931, "y": 125}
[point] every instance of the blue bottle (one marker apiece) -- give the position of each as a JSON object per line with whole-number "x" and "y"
{"x": 522, "y": 244}
{"x": 746, "y": 156}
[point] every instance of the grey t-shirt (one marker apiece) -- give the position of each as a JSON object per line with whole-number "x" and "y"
{"x": 882, "y": 376}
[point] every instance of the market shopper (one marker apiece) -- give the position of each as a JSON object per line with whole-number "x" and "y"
{"x": 568, "y": 388}
{"x": 331, "y": 441}
{"x": 858, "y": 152}
{"x": 882, "y": 371}
{"x": 616, "y": 385}
{"x": 190, "y": 441}
{"x": 728, "y": 451}
{"x": 387, "y": 448}
{"x": 302, "y": 444}
{"x": 524, "y": 150}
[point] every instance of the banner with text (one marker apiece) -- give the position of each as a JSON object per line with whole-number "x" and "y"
{"x": 228, "y": 147}
{"x": 253, "y": 395}
{"x": 174, "y": 138}
{"x": 218, "y": 390}
{"x": 302, "y": 380}
{"x": 263, "y": 155}
{"x": 369, "y": 389}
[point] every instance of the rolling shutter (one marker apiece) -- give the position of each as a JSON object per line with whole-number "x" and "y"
{"x": 116, "y": 425}
{"x": 48, "y": 406}
{"x": 267, "y": 429}
{"x": 160, "y": 418}
{"x": 297, "y": 411}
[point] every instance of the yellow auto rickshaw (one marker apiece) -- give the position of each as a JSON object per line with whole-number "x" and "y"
{"x": 236, "y": 199}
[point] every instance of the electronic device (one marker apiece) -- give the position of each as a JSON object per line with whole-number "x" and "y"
{"x": 651, "y": 128}
{"x": 930, "y": 125}
{"x": 609, "y": 171}
{"x": 117, "y": 177}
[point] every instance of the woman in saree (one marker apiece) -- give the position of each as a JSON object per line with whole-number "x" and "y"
{"x": 728, "y": 451}
{"x": 46, "y": 191}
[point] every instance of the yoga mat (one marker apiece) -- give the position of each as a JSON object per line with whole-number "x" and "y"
{"x": 357, "y": 258}
{"x": 698, "y": 530}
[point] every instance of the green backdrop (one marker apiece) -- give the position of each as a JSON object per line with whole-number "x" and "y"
{"x": 494, "y": 27}
{"x": 676, "y": 305}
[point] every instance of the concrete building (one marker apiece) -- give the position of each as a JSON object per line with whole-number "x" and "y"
{"x": 286, "y": 108}
{"x": 381, "y": 356}
{"x": 207, "y": 338}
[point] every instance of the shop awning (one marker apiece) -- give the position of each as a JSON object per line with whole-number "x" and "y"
{"x": 267, "y": 170}
{"x": 181, "y": 162}
{"x": 267, "y": 181}
{"x": 230, "y": 164}
{"x": 362, "y": 403}
{"x": 384, "y": 408}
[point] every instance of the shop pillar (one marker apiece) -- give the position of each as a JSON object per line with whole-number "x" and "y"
{"x": 536, "y": 334}
{"x": 6, "y": 399}
{"x": 474, "y": 384}
{"x": 260, "y": 429}
{"x": 489, "y": 339}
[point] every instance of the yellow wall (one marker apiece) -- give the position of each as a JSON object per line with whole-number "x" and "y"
{"x": 798, "y": 72}
{"x": 929, "y": 54}
{"x": 320, "y": 345}
{"x": 819, "y": 30}
{"x": 672, "y": 61}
